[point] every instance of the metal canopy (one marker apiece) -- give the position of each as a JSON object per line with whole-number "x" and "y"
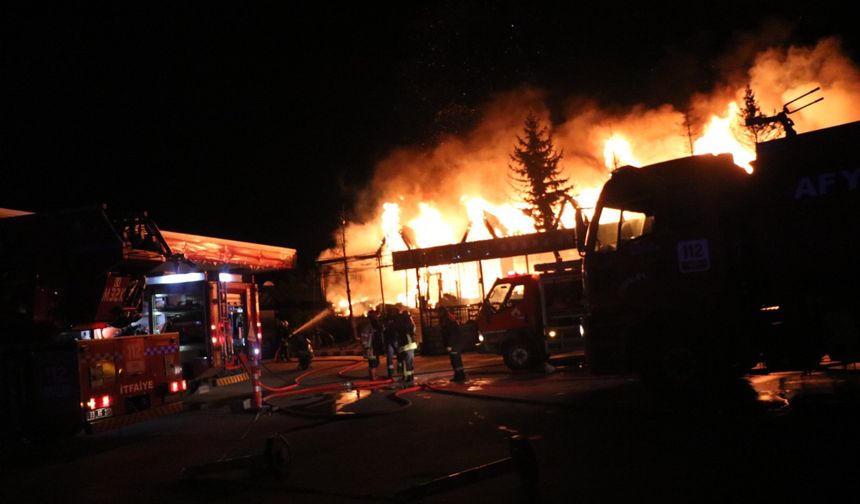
{"x": 218, "y": 251}
{"x": 535, "y": 243}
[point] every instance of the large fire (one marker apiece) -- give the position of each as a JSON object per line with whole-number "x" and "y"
{"x": 459, "y": 190}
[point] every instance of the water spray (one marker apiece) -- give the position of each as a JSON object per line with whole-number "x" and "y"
{"x": 314, "y": 321}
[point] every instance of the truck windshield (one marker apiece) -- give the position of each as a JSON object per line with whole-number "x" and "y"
{"x": 635, "y": 224}
{"x": 517, "y": 295}
{"x": 497, "y": 296}
{"x": 616, "y": 226}
{"x": 607, "y": 230}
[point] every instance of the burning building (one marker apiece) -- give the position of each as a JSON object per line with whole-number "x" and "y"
{"x": 454, "y": 198}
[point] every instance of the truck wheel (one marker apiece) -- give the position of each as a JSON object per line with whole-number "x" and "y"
{"x": 518, "y": 354}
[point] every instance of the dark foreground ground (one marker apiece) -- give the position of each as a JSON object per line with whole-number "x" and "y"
{"x": 768, "y": 438}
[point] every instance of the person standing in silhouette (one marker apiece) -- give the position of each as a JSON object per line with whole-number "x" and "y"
{"x": 453, "y": 342}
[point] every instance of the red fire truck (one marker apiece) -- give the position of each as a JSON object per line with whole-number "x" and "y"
{"x": 128, "y": 378}
{"x": 525, "y": 318}
{"x": 71, "y": 286}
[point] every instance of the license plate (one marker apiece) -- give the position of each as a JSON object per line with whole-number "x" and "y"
{"x": 99, "y": 413}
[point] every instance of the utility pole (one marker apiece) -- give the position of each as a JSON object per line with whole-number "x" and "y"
{"x": 688, "y": 124}
{"x": 346, "y": 274}
{"x": 379, "y": 268}
{"x": 481, "y": 278}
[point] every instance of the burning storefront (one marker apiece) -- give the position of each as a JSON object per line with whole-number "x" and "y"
{"x": 456, "y": 276}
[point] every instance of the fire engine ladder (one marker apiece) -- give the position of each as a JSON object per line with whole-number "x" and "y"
{"x": 226, "y": 326}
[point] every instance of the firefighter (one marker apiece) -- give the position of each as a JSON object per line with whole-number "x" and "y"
{"x": 404, "y": 328}
{"x": 453, "y": 341}
{"x": 284, "y": 350}
{"x": 304, "y": 351}
{"x": 371, "y": 341}
{"x": 389, "y": 338}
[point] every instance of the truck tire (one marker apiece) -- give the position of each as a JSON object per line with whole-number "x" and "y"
{"x": 519, "y": 354}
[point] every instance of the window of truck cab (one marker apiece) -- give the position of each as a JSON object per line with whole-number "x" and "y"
{"x": 506, "y": 294}
{"x": 617, "y": 226}
{"x": 498, "y": 294}
{"x": 518, "y": 292}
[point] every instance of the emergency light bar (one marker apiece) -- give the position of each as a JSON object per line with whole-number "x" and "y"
{"x": 175, "y": 279}
{"x": 229, "y": 277}
{"x": 191, "y": 277}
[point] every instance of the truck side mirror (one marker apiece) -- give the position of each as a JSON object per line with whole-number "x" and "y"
{"x": 581, "y": 226}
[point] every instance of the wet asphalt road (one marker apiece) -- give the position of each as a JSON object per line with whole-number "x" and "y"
{"x": 778, "y": 437}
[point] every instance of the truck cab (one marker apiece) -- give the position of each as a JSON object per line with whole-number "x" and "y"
{"x": 663, "y": 269}
{"x": 527, "y": 317}
{"x": 695, "y": 269}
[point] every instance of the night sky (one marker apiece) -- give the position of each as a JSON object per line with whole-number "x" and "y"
{"x": 260, "y": 124}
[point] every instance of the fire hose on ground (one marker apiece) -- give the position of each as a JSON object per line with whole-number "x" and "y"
{"x": 293, "y": 389}
{"x": 297, "y": 380}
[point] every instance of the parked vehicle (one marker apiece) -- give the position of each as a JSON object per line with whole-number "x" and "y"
{"x": 526, "y": 318}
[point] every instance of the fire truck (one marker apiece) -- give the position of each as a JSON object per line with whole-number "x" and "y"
{"x": 694, "y": 268}
{"x": 71, "y": 285}
{"x": 527, "y": 317}
{"x": 216, "y": 315}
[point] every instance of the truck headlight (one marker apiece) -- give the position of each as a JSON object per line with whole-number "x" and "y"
{"x": 480, "y": 338}
{"x": 552, "y": 333}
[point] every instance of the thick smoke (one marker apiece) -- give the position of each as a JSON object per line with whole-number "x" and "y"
{"x": 780, "y": 75}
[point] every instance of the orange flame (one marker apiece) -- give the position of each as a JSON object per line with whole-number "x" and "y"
{"x": 618, "y": 152}
{"x": 720, "y": 138}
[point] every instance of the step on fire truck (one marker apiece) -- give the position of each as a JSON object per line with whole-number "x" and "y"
{"x": 71, "y": 286}
{"x": 528, "y": 317}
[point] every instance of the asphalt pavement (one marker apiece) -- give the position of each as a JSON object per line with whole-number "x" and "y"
{"x": 581, "y": 438}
